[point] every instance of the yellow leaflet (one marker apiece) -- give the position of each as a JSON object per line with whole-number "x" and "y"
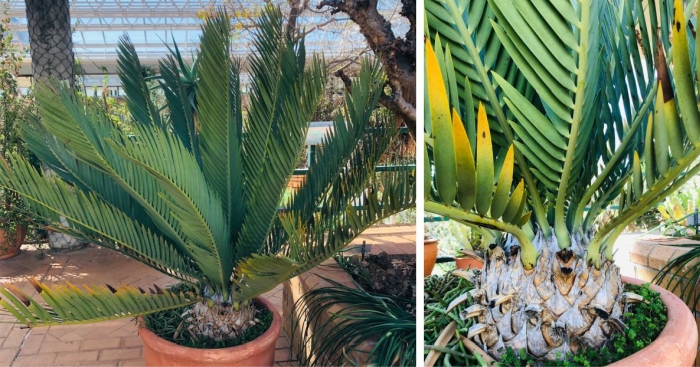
{"x": 683, "y": 76}
{"x": 443, "y": 147}
{"x": 484, "y": 163}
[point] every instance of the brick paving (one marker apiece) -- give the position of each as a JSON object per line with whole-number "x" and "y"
{"x": 116, "y": 342}
{"x": 107, "y": 343}
{"x": 394, "y": 239}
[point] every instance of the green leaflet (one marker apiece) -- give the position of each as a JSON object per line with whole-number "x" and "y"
{"x": 466, "y": 170}
{"x": 505, "y": 180}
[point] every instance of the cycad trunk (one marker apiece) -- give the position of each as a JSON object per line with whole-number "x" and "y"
{"x": 50, "y": 38}
{"x": 219, "y": 321}
{"x": 562, "y": 305}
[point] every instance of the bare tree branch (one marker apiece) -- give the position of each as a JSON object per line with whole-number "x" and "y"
{"x": 339, "y": 64}
{"x": 296, "y": 7}
{"x": 321, "y": 25}
{"x": 397, "y": 55}
{"x": 395, "y": 103}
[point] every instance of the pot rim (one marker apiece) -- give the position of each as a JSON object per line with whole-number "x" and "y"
{"x": 677, "y": 343}
{"x": 270, "y": 333}
{"x": 472, "y": 257}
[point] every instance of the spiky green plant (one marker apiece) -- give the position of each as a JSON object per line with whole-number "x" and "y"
{"x": 341, "y": 320}
{"x": 539, "y": 114}
{"x": 198, "y": 194}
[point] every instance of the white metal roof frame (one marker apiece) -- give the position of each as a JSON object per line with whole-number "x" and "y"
{"x": 151, "y": 24}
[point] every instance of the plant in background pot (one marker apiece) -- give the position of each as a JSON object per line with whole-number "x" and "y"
{"x": 13, "y": 105}
{"x": 198, "y": 192}
{"x": 536, "y": 113}
{"x": 13, "y": 224}
{"x": 468, "y": 259}
{"x": 350, "y": 325}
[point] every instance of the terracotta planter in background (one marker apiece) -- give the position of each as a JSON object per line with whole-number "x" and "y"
{"x": 430, "y": 251}
{"x": 678, "y": 342}
{"x": 468, "y": 262}
{"x": 9, "y": 247}
{"x": 259, "y": 352}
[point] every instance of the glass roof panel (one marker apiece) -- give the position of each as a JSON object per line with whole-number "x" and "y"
{"x": 98, "y": 25}
{"x": 136, "y": 36}
{"x": 88, "y": 37}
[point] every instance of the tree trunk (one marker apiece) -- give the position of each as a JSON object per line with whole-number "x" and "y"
{"x": 562, "y": 305}
{"x": 397, "y": 54}
{"x": 51, "y": 45}
{"x": 50, "y": 38}
{"x": 296, "y": 7}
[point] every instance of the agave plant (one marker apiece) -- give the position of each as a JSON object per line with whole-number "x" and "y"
{"x": 199, "y": 194}
{"x": 541, "y": 114}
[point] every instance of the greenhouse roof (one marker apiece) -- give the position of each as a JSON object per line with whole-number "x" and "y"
{"x": 98, "y": 25}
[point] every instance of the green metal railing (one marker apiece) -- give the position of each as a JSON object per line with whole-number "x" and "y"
{"x": 311, "y": 153}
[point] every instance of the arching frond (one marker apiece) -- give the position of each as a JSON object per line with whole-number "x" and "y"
{"x": 464, "y": 177}
{"x": 284, "y": 96}
{"x": 68, "y": 304}
{"x": 311, "y": 244}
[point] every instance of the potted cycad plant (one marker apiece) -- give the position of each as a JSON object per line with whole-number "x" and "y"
{"x": 539, "y": 116}
{"x": 197, "y": 190}
{"x": 467, "y": 259}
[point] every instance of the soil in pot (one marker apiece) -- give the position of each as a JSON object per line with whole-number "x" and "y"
{"x": 644, "y": 322}
{"x": 168, "y": 342}
{"x": 647, "y": 326}
{"x": 165, "y": 325}
{"x": 10, "y": 245}
{"x": 393, "y": 277}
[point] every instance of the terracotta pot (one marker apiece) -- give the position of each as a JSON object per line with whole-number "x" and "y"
{"x": 259, "y": 352}
{"x": 468, "y": 262}
{"x": 678, "y": 342}
{"x": 9, "y": 247}
{"x": 430, "y": 251}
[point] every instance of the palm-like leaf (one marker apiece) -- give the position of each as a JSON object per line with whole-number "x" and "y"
{"x": 472, "y": 53}
{"x": 112, "y": 228}
{"x": 180, "y": 99}
{"x": 589, "y": 135}
{"x": 69, "y": 304}
{"x": 196, "y": 189}
{"x": 312, "y": 242}
{"x": 556, "y": 47}
{"x": 592, "y": 67}
{"x": 281, "y": 106}
{"x": 464, "y": 181}
{"x": 138, "y": 99}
